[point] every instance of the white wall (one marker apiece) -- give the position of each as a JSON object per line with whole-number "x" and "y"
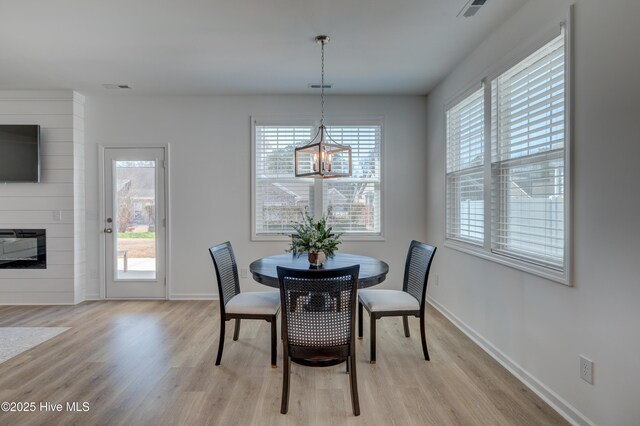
{"x": 210, "y": 163}
{"x": 538, "y": 327}
{"x": 32, "y": 205}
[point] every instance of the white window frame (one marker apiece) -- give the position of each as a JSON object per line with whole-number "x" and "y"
{"x": 319, "y": 208}
{"x": 457, "y": 101}
{"x": 485, "y": 252}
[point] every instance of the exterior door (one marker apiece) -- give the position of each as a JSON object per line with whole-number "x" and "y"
{"x": 135, "y": 225}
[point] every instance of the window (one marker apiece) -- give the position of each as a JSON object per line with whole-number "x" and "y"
{"x": 353, "y": 205}
{"x": 465, "y": 169}
{"x": 528, "y": 152}
{"x": 528, "y": 140}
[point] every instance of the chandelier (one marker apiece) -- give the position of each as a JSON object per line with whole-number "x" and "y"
{"x": 322, "y": 157}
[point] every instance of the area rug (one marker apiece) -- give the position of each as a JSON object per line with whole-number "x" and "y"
{"x": 15, "y": 340}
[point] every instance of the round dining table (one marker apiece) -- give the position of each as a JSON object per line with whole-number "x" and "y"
{"x": 372, "y": 270}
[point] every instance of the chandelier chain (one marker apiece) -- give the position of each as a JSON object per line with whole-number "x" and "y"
{"x": 322, "y": 85}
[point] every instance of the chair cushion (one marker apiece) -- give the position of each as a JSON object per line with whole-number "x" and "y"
{"x": 388, "y": 300}
{"x": 254, "y": 303}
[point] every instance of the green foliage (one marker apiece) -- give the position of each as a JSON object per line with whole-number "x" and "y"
{"x": 136, "y": 234}
{"x": 314, "y": 237}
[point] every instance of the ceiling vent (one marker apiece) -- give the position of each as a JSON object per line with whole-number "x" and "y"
{"x": 471, "y": 8}
{"x": 116, "y": 86}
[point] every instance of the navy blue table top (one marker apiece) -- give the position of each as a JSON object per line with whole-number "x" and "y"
{"x": 372, "y": 271}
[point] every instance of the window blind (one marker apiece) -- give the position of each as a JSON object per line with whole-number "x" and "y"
{"x": 279, "y": 197}
{"x": 465, "y": 175}
{"x": 528, "y": 142}
{"x": 353, "y": 204}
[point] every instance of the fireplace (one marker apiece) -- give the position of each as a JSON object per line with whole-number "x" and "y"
{"x": 23, "y": 249}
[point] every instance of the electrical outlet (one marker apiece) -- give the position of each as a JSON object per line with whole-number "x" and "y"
{"x": 57, "y": 216}
{"x": 586, "y": 369}
{"x": 244, "y": 272}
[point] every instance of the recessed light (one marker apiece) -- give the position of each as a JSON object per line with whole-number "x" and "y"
{"x": 116, "y": 86}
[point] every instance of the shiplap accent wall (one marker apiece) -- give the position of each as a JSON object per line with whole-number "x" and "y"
{"x": 60, "y": 115}
{"x": 79, "y": 211}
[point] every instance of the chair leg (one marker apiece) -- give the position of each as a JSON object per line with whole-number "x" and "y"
{"x": 405, "y": 322}
{"x": 274, "y": 345}
{"x": 221, "y": 343}
{"x": 355, "y": 402}
{"x": 285, "y": 384}
{"x": 372, "y": 320}
{"x": 359, "y": 320}
{"x": 424, "y": 338}
{"x": 236, "y": 331}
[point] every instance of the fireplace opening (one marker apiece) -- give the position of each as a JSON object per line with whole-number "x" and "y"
{"x": 23, "y": 249}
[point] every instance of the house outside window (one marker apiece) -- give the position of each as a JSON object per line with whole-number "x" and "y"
{"x": 353, "y": 205}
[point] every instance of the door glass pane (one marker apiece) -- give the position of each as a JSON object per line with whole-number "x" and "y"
{"x": 135, "y": 220}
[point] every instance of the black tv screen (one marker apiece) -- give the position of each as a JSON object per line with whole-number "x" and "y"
{"x": 19, "y": 153}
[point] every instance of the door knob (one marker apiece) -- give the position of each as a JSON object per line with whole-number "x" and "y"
{"x": 108, "y": 230}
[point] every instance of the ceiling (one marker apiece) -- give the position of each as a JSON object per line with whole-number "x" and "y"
{"x": 237, "y": 47}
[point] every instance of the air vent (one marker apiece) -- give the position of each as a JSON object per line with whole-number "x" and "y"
{"x": 471, "y": 8}
{"x": 317, "y": 86}
{"x": 116, "y": 86}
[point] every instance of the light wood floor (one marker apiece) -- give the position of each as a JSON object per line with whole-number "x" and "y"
{"x": 152, "y": 363}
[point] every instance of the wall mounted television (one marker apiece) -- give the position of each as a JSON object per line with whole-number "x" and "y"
{"x": 19, "y": 153}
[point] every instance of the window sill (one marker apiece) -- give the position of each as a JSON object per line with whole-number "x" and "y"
{"x": 345, "y": 237}
{"x": 362, "y": 237}
{"x": 530, "y": 268}
{"x": 274, "y": 237}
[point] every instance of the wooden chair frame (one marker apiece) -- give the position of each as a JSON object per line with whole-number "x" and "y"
{"x": 321, "y": 356}
{"x": 419, "y": 313}
{"x": 224, "y": 316}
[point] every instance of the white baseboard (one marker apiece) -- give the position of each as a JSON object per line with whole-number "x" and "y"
{"x": 566, "y": 410}
{"x": 193, "y": 296}
{"x": 38, "y": 304}
{"x": 175, "y": 296}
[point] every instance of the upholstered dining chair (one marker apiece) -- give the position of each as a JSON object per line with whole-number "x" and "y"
{"x": 261, "y": 305}
{"x": 317, "y": 329}
{"x": 406, "y": 302}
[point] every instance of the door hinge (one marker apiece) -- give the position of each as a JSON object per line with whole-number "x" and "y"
{"x": 164, "y": 222}
{"x": 164, "y": 164}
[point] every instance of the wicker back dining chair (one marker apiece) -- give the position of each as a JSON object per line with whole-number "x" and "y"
{"x": 318, "y": 328}
{"x": 407, "y": 302}
{"x": 261, "y": 305}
